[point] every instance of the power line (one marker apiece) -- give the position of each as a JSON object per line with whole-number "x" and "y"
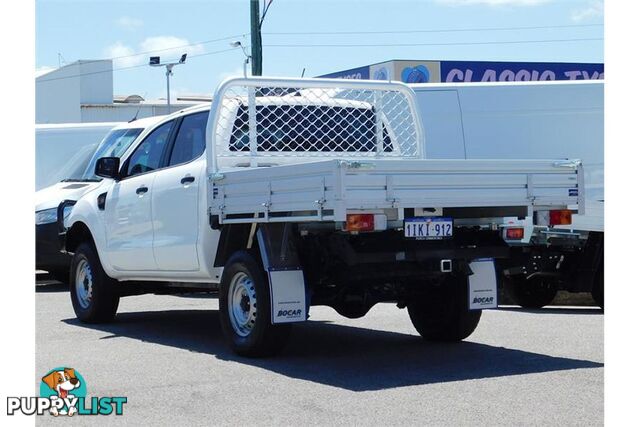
{"x": 179, "y": 47}
{"x": 322, "y": 45}
{"x": 126, "y": 68}
{"x": 435, "y": 44}
{"x": 452, "y": 30}
{"x": 353, "y": 33}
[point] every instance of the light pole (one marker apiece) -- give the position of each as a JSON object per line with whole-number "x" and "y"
{"x": 154, "y": 61}
{"x": 256, "y": 38}
{"x": 257, "y": 18}
{"x": 246, "y": 55}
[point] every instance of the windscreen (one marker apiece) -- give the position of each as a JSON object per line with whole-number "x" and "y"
{"x": 113, "y": 145}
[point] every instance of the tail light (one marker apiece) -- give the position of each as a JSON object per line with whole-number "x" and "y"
{"x": 554, "y": 217}
{"x": 514, "y": 233}
{"x": 360, "y": 222}
{"x": 560, "y": 217}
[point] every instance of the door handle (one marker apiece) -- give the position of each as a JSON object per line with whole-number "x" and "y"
{"x": 141, "y": 190}
{"x": 187, "y": 180}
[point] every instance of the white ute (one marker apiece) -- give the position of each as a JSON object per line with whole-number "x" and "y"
{"x": 289, "y": 193}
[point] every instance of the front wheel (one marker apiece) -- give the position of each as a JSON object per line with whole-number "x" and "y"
{"x": 93, "y": 294}
{"x": 245, "y": 309}
{"x": 443, "y": 314}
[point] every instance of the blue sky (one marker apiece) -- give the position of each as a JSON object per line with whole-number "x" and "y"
{"x": 92, "y": 29}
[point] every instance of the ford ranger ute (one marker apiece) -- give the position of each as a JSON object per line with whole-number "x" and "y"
{"x": 284, "y": 194}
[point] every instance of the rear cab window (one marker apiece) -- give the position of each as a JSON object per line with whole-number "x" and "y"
{"x": 309, "y": 128}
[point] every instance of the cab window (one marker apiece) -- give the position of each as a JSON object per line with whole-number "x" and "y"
{"x": 190, "y": 139}
{"x": 148, "y": 156}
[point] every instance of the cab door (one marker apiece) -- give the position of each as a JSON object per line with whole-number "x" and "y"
{"x": 175, "y": 201}
{"x": 128, "y": 219}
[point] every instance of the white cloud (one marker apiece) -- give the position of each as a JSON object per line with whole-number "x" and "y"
{"x": 129, "y": 23}
{"x": 594, "y": 10}
{"x": 169, "y": 48}
{"x": 122, "y": 55}
{"x": 493, "y": 2}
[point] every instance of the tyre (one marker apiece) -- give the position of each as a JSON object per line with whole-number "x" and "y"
{"x": 532, "y": 293}
{"x": 93, "y": 294}
{"x": 443, "y": 314}
{"x": 598, "y": 288}
{"x": 245, "y": 309}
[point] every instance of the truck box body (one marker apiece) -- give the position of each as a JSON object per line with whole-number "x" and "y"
{"x": 387, "y": 126}
{"x": 327, "y": 189}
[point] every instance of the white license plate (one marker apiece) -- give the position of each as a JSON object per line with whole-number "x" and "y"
{"x": 428, "y": 228}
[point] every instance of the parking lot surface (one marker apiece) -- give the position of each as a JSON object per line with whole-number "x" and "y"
{"x": 167, "y": 356}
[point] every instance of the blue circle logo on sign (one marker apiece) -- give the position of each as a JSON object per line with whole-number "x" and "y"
{"x": 381, "y": 74}
{"x": 417, "y": 74}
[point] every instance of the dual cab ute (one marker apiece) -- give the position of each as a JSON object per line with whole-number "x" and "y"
{"x": 284, "y": 194}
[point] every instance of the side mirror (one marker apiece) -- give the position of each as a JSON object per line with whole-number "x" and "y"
{"x": 107, "y": 167}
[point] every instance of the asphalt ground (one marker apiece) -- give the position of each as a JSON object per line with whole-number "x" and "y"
{"x": 166, "y": 354}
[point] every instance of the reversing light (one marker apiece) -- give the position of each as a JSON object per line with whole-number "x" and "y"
{"x": 360, "y": 222}
{"x": 560, "y": 217}
{"x": 515, "y": 233}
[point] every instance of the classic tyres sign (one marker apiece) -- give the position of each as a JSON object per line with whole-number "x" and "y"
{"x": 473, "y": 71}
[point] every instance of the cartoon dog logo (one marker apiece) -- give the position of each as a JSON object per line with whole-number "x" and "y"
{"x": 62, "y": 382}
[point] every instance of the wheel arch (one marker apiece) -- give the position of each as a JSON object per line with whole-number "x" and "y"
{"x": 233, "y": 238}
{"x": 76, "y": 235}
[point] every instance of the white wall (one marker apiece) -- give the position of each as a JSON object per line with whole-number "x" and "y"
{"x": 58, "y": 96}
{"x": 96, "y": 84}
{"x": 60, "y": 93}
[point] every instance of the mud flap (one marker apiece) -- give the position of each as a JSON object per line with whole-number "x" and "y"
{"x": 289, "y": 299}
{"x": 483, "y": 289}
{"x": 287, "y": 296}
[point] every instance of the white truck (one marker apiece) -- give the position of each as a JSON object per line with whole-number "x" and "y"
{"x": 531, "y": 120}
{"x": 289, "y": 193}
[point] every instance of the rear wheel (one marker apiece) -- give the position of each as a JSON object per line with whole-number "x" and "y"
{"x": 93, "y": 294}
{"x": 443, "y": 314}
{"x": 245, "y": 309}
{"x": 531, "y": 293}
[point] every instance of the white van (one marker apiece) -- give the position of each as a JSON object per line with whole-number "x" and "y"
{"x": 75, "y": 179}
{"x": 63, "y": 150}
{"x": 531, "y": 120}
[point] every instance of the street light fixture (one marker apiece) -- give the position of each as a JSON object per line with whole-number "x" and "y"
{"x": 154, "y": 61}
{"x": 239, "y": 44}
